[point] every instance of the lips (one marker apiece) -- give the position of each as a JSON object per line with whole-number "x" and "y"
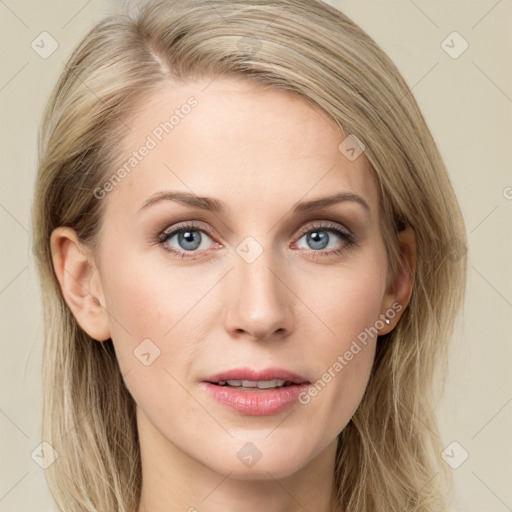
{"x": 256, "y": 392}
{"x": 252, "y": 375}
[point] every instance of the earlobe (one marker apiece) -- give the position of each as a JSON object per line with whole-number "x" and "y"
{"x": 79, "y": 282}
{"x": 399, "y": 292}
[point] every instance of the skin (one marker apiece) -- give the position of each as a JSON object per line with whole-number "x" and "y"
{"x": 296, "y": 307}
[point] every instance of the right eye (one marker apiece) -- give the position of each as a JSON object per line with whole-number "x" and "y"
{"x": 185, "y": 239}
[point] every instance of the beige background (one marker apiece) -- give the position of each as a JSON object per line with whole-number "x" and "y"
{"x": 467, "y": 102}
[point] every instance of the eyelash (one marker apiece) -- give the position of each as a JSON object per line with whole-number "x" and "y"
{"x": 349, "y": 239}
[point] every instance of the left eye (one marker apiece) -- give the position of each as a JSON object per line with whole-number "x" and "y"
{"x": 320, "y": 239}
{"x": 188, "y": 239}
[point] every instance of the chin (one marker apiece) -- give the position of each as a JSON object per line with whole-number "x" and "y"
{"x": 264, "y": 471}
{"x": 250, "y": 463}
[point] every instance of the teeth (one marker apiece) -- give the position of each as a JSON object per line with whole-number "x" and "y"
{"x": 261, "y": 384}
{"x": 234, "y": 382}
{"x": 265, "y": 384}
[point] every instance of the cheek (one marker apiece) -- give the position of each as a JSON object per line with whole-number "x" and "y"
{"x": 156, "y": 318}
{"x": 350, "y": 310}
{"x": 349, "y": 303}
{"x": 147, "y": 316}
{"x": 143, "y": 304}
{"x": 347, "y": 299}
{"x": 147, "y": 298}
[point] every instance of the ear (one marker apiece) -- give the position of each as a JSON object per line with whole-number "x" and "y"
{"x": 399, "y": 290}
{"x": 79, "y": 282}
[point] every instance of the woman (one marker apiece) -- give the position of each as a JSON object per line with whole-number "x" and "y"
{"x": 251, "y": 267}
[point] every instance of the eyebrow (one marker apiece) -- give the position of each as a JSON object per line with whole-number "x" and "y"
{"x": 216, "y": 206}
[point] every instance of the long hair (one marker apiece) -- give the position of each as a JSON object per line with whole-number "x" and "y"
{"x": 389, "y": 454}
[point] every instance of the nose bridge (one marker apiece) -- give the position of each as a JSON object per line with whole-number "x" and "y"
{"x": 259, "y": 304}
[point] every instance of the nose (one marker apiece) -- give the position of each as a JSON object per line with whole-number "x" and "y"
{"x": 260, "y": 301}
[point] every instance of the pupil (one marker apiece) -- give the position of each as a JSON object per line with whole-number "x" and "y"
{"x": 189, "y": 240}
{"x": 318, "y": 239}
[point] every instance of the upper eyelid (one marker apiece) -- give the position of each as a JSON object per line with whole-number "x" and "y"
{"x": 185, "y": 225}
{"x": 325, "y": 224}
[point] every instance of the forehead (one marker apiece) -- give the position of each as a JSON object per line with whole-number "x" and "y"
{"x": 237, "y": 141}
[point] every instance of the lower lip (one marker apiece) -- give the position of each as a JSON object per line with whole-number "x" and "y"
{"x": 254, "y": 401}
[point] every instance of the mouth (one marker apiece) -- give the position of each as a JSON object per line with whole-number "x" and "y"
{"x": 249, "y": 378}
{"x": 254, "y": 385}
{"x": 256, "y": 392}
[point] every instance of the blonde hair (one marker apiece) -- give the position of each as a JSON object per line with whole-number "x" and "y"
{"x": 389, "y": 454}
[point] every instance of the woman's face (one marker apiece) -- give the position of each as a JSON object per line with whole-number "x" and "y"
{"x": 261, "y": 281}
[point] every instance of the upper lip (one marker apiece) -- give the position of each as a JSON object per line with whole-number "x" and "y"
{"x": 257, "y": 375}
